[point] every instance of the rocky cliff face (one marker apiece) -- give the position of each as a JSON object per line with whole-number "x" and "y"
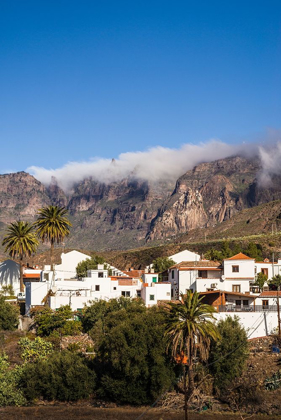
{"x": 207, "y": 195}
{"x": 125, "y": 214}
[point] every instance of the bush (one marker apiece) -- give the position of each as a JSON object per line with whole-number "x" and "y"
{"x": 49, "y": 322}
{"x": 131, "y": 357}
{"x": 63, "y": 376}
{"x": 10, "y": 393}
{"x": 9, "y": 315}
{"x": 32, "y": 350}
{"x": 228, "y": 356}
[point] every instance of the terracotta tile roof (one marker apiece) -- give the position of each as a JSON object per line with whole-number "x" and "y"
{"x": 240, "y": 256}
{"x": 270, "y": 293}
{"x": 120, "y": 278}
{"x": 197, "y": 264}
{"x": 134, "y": 273}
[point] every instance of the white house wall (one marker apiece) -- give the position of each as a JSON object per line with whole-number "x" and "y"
{"x": 257, "y": 324}
{"x": 10, "y": 275}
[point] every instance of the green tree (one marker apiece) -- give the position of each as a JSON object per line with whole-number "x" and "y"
{"x": 131, "y": 361}
{"x": 20, "y": 241}
{"x": 63, "y": 376}
{"x": 254, "y": 251}
{"x": 261, "y": 279}
{"x": 225, "y": 250}
{"x": 189, "y": 329}
{"x": 52, "y": 226}
{"x": 88, "y": 264}
{"x": 47, "y": 321}
{"x": 10, "y": 392}
{"x": 214, "y": 255}
{"x": 228, "y": 356}
{"x": 9, "y": 315}
{"x": 161, "y": 264}
{"x": 32, "y": 350}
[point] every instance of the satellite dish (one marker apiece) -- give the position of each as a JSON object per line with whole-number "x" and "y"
{"x": 222, "y": 278}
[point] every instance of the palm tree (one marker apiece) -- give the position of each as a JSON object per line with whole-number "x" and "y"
{"x": 52, "y": 226}
{"x": 189, "y": 329}
{"x": 20, "y": 241}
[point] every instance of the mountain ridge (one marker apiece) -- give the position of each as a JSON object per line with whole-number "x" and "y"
{"x": 135, "y": 212}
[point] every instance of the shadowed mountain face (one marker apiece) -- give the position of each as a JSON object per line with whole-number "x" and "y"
{"x": 126, "y": 214}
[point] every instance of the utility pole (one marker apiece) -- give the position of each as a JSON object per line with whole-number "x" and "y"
{"x": 278, "y": 280}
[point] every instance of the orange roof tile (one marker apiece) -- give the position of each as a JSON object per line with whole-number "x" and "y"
{"x": 31, "y": 276}
{"x": 270, "y": 293}
{"x": 240, "y": 256}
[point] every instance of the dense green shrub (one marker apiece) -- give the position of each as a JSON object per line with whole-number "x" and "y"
{"x": 9, "y": 315}
{"x": 228, "y": 356}
{"x": 131, "y": 359}
{"x": 10, "y": 393}
{"x": 94, "y": 315}
{"x": 48, "y": 321}
{"x": 32, "y": 350}
{"x": 63, "y": 376}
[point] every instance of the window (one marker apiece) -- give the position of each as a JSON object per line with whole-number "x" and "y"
{"x": 138, "y": 293}
{"x": 173, "y": 274}
{"x": 235, "y": 269}
{"x": 167, "y": 293}
{"x": 238, "y": 302}
{"x": 172, "y": 292}
{"x": 151, "y": 297}
{"x": 154, "y": 279}
{"x": 126, "y": 293}
{"x": 100, "y": 274}
{"x": 236, "y": 288}
{"x": 245, "y": 303}
{"x": 114, "y": 288}
{"x": 203, "y": 274}
{"x": 97, "y": 288}
{"x": 265, "y": 272}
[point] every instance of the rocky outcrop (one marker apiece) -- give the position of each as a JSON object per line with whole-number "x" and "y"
{"x": 124, "y": 214}
{"x": 207, "y": 195}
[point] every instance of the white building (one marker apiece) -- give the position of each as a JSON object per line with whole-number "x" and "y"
{"x": 194, "y": 275}
{"x": 10, "y": 275}
{"x": 184, "y": 255}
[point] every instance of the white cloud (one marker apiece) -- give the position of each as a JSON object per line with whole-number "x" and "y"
{"x": 155, "y": 164}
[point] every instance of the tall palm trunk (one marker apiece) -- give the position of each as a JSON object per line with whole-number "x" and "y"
{"x": 21, "y": 275}
{"x": 52, "y": 262}
{"x": 185, "y": 393}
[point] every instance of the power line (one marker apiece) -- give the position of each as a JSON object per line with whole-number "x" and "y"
{"x": 209, "y": 364}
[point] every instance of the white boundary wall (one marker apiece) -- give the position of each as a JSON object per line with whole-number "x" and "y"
{"x": 257, "y": 324}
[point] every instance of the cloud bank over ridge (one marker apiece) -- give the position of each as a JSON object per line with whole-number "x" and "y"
{"x": 155, "y": 164}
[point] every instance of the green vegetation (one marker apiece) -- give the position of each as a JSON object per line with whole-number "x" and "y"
{"x": 63, "y": 376}
{"x": 161, "y": 264}
{"x": 88, "y": 264}
{"x": 228, "y": 355}
{"x": 190, "y": 327}
{"x": 52, "y": 226}
{"x": 131, "y": 361}
{"x": 9, "y": 315}
{"x": 49, "y": 322}
{"x": 20, "y": 241}
{"x": 10, "y": 392}
{"x": 227, "y": 250}
{"x": 33, "y": 350}
{"x": 261, "y": 279}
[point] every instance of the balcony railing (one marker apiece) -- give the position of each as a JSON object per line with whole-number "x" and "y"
{"x": 250, "y": 308}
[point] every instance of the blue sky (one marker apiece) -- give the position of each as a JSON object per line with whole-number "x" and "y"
{"x": 80, "y": 79}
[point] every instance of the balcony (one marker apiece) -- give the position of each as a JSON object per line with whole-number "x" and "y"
{"x": 249, "y": 308}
